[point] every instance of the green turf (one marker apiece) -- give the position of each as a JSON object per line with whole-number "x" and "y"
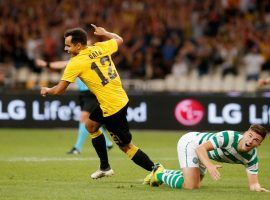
{"x": 34, "y": 165}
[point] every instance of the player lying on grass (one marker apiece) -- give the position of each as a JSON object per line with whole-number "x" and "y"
{"x": 195, "y": 150}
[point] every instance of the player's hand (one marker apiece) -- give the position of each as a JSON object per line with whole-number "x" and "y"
{"x": 264, "y": 190}
{"x": 257, "y": 188}
{"x": 44, "y": 91}
{"x": 99, "y": 30}
{"x": 261, "y": 82}
{"x": 213, "y": 170}
{"x": 40, "y": 63}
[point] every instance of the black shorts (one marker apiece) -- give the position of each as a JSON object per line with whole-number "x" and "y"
{"x": 87, "y": 101}
{"x": 116, "y": 124}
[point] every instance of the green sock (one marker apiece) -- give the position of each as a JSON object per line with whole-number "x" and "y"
{"x": 170, "y": 171}
{"x": 173, "y": 180}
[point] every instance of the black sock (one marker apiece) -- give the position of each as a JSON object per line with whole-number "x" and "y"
{"x": 100, "y": 147}
{"x": 141, "y": 159}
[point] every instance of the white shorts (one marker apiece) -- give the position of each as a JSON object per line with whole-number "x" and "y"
{"x": 187, "y": 156}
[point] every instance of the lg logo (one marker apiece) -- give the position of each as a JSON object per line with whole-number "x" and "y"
{"x": 189, "y": 112}
{"x": 231, "y": 113}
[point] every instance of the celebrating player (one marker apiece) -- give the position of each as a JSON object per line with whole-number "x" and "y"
{"x": 195, "y": 150}
{"x": 94, "y": 66}
{"x": 86, "y": 103}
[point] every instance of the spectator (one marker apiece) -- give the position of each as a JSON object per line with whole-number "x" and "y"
{"x": 253, "y": 62}
{"x": 154, "y": 33}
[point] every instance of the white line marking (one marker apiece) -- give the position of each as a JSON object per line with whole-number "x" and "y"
{"x": 52, "y": 159}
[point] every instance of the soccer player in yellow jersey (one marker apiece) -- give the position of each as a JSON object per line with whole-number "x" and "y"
{"x": 94, "y": 66}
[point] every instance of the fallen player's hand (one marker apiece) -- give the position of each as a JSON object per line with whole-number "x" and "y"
{"x": 257, "y": 188}
{"x": 213, "y": 170}
{"x": 264, "y": 190}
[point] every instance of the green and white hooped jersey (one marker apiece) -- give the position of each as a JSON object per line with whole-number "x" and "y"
{"x": 225, "y": 149}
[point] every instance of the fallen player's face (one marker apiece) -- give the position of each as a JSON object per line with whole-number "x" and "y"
{"x": 250, "y": 140}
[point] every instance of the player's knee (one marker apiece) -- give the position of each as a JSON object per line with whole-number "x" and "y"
{"x": 84, "y": 117}
{"x": 129, "y": 149}
{"x": 191, "y": 186}
{"x": 125, "y": 147}
{"x": 91, "y": 127}
{"x": 96, "y": 134}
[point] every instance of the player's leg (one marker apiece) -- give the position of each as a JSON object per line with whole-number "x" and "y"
{"x": 192, "y": 178}
{"x": 159, "y": 175}
{"x": 82, "y": 134}
{"x": 188, "y": 179}
{"x": 118, "y": 127}
{"x": 189, "y": 161}
{"x": 86, "y": 102}
{"x": 172, "y": 178}
{"x": 98, "y": 140}
{"x": 109, "y": 143}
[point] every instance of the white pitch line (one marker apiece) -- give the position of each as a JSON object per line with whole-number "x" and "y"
{"x": 52, "y": 159}
{"x": 43, "y": 159}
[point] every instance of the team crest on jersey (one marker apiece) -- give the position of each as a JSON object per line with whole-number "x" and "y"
{"x": 195, "y": 160}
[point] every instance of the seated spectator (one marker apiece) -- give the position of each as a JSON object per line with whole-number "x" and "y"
{"x": 253, "y": 62}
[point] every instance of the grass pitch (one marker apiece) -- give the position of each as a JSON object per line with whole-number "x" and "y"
{"x": 34, "y": 165}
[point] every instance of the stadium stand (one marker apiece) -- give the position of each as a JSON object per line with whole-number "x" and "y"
{"x": 167, "y": 41}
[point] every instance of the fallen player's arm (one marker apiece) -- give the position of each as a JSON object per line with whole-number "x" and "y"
{"x": 203, "y": 157}
{"x": 254, "y": 184}
{"x": 60, "y": 88}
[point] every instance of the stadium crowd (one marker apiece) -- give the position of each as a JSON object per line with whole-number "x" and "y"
{"x": 160, "y": 37}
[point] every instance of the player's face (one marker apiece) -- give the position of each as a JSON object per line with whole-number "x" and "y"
{"x": 71, "y": 48}
{"x": 250, "y": 140}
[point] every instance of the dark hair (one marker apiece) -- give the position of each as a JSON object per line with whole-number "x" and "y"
{"x": 78, "y": 35}
{"x": 260, "y": 130}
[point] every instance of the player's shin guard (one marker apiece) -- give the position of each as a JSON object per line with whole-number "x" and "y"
{"x": 174, "y": 180}
{"x": 140, "y": 158}
{"x": 99, "y": 144}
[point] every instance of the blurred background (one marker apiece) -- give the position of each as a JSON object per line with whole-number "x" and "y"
{"x": 185, "y": 64}
{"x": 176, "y": 46}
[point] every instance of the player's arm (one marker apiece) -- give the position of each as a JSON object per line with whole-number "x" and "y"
{"x": 254, "y": 184}
{"x": 58, "y": 65}
{"x": 103, "y": 32}
{"x": 60, "y": 88}
{"x": 263, "y": 82}
{"x": 201, "y": 151}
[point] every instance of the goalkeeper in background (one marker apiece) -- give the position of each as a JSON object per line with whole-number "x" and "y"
{"x": 195, "y": 149}
{"x": 86, "y": 101}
